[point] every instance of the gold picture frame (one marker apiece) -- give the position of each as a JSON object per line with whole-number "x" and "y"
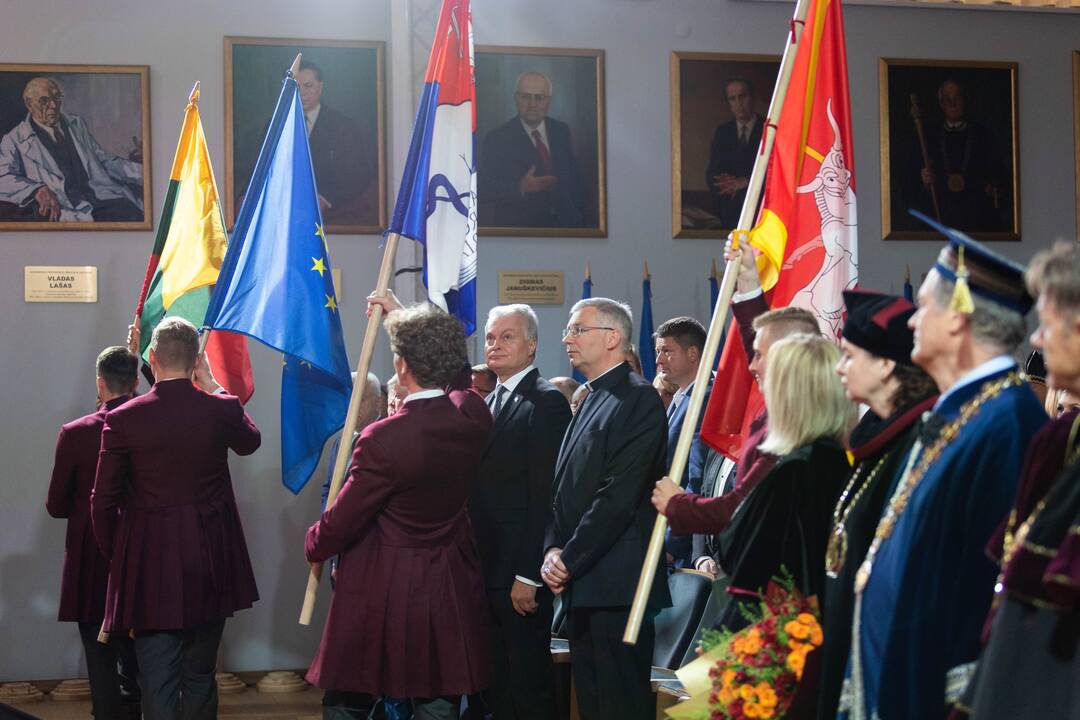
{"x": 575, "y": 203}
{"x": 1076, "y": 133}
{"x": 347, "y": 140}
{"x": 949, "y": 147}
{"x": 701, "y": 121}
{"x": 103, "y": 116}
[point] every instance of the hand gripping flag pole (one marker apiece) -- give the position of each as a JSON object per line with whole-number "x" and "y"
{"x": 716, "y": 326}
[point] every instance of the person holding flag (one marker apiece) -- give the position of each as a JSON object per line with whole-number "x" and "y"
{"x": 408, "y": 618}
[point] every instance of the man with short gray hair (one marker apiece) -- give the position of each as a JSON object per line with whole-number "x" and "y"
{"x": 609, "y": 460}
{"x": 510, "y": 506}
{"x": 924, "y": 589}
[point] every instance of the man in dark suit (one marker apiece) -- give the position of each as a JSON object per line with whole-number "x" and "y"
{"x": 679, "y": 342}
{"x": 510, "y": 505}
{"x": 528, "y": 175}
{"x": 612, "y": 454}
{"x": 110, "y": 666}
{"x": 344, "y": 167}
{"x": 731, "y": 155}
{"x": 165, "y": 517}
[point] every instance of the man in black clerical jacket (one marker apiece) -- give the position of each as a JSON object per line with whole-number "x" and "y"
{"x": 612, "y": 455}
{"x": 510, "y": 507}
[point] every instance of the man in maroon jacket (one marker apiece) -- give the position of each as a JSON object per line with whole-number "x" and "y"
{"x": 111, "y": 666}
{"x": 165, "y": 516}
{"x": 408, "y": 618}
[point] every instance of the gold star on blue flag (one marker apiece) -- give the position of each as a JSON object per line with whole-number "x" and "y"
{"x": 260, "y": 294}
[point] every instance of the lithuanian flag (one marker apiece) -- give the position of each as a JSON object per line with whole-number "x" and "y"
{"x": 187, "y": 255}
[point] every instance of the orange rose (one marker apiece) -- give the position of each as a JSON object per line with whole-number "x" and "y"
{"x": 751, "y": 711}
{"x": 768, "y": 699}
{"x": 795, "y": 661}
{"x": 807, "y": 619}
{"x": 797, "y": 630}
{"x": 817, "y": 636}
{"x": 746, "y": 692}
{"x": 728, "y": 677}
{"x": 726, "y": 696}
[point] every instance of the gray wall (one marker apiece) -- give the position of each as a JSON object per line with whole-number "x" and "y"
{"x": 48, "y": 350}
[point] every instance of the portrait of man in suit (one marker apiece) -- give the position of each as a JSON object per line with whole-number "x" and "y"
{"x": 342, "y": 97}
{"x": 538, "y": 134}
{"x": 53, "y": 168}
{"x": 732, "y": 152}
{"x": 718, "y": 103}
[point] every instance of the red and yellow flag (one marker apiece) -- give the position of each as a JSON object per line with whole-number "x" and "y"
{"x": 805, "y": 232}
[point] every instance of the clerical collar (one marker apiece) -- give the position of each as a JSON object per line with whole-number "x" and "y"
{"x": 513, "y": 381}
{"x": 993, "y": 366}
{"x": 959, "y": 125}
{"x": 591, "y": 384}
{"x": 425, "y": 394}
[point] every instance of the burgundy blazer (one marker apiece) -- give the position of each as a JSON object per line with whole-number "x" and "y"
{"x": 177, "y": 549}
{"x": 86, "y": 572}
{"x": 408, "y": 614}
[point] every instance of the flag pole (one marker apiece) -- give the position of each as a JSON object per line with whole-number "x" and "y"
{"x": 371, "y": 334}
{"x": 716, "y": 326}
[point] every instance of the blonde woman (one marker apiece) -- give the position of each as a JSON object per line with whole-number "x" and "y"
{"x": 784, "y": 521}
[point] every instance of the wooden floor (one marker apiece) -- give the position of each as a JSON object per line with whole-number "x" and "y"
{"x": 249, "y": 705}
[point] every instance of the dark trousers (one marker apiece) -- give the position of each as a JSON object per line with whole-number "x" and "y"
{"x": 112, "y": 669}
{"x": 116, "y": 210}
{"x": 343, "y": 705}
{"x": 177, "y": 672}
{"x": 611, "y": 678}
{"x": 524, "y": 683}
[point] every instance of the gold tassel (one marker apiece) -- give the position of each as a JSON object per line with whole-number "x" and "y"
{"x": 961, "y": 297}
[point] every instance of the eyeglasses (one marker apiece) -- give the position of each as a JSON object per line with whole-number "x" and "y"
{"x": 46, "y": 100}
{"x": 533, "y": 97}
{"x": 578, "y": 330}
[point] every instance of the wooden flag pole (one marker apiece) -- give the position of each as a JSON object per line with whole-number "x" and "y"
{"x": 371, "y": 334}
{"x": 716, "y": 326}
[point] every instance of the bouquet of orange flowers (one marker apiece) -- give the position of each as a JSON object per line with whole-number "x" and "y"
{"x": 755, "y": 672}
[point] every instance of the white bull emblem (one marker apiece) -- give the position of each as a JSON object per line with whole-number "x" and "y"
{"x": 836, "y": 203}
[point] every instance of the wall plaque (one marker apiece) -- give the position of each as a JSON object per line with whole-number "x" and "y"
{"x": 534, "y": 287}
{"x": 60, "y": 283}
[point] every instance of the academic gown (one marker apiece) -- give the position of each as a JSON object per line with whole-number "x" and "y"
{"x": 880, "y": 447}
{"x": 917, "y": 625}
{"x": 1031, "y": 664}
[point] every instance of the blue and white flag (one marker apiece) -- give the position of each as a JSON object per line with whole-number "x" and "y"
{"x": 436, "y": 204}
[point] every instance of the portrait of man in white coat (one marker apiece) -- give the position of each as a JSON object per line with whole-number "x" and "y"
{"x": 53, "y": 169}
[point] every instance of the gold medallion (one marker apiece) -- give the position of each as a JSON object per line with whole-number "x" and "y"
{"x": 956, "y": 183}
{"x": 836, "y": 551}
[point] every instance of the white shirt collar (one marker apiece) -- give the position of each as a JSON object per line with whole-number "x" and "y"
{"x": 748, "y": 125}
{"x": 541, "y": 128}
{"x": 992, "y": 366}
{"x": 425, "y": 394}
{"x": 682, "y": 392}
{"x": 513, "y": 381}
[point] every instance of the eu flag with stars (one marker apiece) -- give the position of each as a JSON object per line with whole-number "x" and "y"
{"x": 275, "y": 285}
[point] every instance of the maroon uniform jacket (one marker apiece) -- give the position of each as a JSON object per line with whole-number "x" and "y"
{"x": 177, "y": 550}
{"x": 86, "y": 572}
{"x": 408, "y": 614}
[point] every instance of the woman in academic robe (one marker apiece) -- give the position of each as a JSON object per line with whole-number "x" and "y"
{"x": 1030, "y": 667}
{"x": 408, "y": 614}
{"x": 876, "y": 370}
{"x": 783, "y": 523}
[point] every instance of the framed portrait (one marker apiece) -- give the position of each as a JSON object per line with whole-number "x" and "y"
{"x": 1076, "y": 133}
{"x": 718, "y": 108}
{"x": 343, "y": 95}
{"x": 949, "y": 148}
{"x": 540, "y": 135}
{"x": 75, "y": 147}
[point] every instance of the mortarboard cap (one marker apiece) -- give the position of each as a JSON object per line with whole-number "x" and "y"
{"x": 986, "y": 273}
{"x": 878, "y": 324}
